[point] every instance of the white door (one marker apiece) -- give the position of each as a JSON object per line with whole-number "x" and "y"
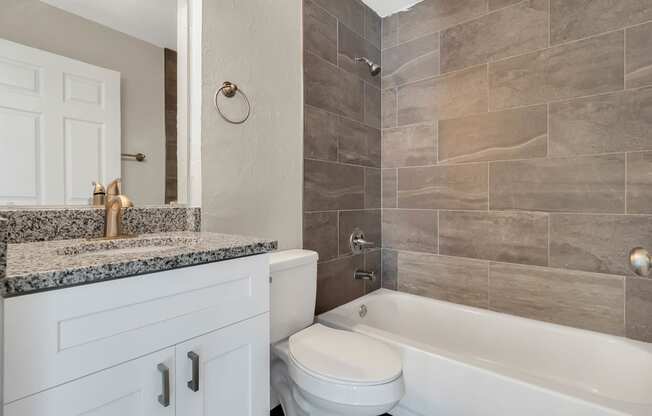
{"x": 230, "y": 374}
{"x": 59, "y": 127}
{"x": 143, "y": 387}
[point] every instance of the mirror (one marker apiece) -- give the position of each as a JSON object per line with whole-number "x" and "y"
{"x": 91, "y": 91}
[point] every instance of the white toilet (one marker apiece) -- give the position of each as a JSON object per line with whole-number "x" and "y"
{"x": 320, "y": 371}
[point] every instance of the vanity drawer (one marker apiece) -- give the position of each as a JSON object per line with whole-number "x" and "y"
{"x": 54, "y": 337}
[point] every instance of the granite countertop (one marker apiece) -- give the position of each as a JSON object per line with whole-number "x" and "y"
{"x": 39, "y": 266}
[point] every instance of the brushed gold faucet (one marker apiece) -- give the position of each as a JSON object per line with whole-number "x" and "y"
{"x": 115, "y": 203}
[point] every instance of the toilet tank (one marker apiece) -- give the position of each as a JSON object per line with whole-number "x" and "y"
{"x": 293, "y": 292}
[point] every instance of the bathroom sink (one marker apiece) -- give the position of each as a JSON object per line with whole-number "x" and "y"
{"x": 126, "y": 246}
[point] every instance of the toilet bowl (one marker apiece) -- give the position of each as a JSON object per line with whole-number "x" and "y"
{"x": 327, "y": 372}
{"x": 317, "y": 370}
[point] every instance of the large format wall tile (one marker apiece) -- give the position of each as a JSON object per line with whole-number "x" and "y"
{"x": 499, "y": 4}
{"x": 639, "y": 308}
{"x": 372, "y": 27}
{"x": 434, "y": 15}
{"x": 390, "y": 269}
{"x": 590, "y": 66}
{"x": 579, "y": 184}
{"x": 320, "y": 234}
{"x": 331, "y": 88}
{"x": 372, "y": 106}
{"x": 320, "y": 32}
{"x": 597, "y": 243}
{"x": 503, "y": 135}
{"x": 390, "y": 31}
{"x": 638, "y": 56}
{"x": 373, "y": 263}
{"x": 368, "y": 221}
{"x": 507, "y": 32}
{"x": 349, "y": 12}
{"x": 607, "y": 123}
{"x": 410, "y": 230}
{"x": 320, "y": 134}
{"x": 351, "y": 45}
{"x": 444, "y": 187}
{"x": 332, "y": 186}
{"x": 389, "y": 188}
{"x": 639, "y": 183}
{"x": 450, "y": 279}
{"x": 409, "y": 146}
{"x": 583, "y": 300}
{"x": 500, "y": 236}
{"x": 372, "y": 188}
{"x": 358, "y": 144}
{"x": 454, "y": 95}
{"x": 388, "y": 108}
{"x": 411, "y": 61}
{"x": 335, "y": 283}
{"x": 576, "y": 19}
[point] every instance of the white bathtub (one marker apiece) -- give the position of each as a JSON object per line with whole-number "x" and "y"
{"x": 465, "y": 361}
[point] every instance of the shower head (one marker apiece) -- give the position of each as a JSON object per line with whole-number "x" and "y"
{"x": 374, "y": 68}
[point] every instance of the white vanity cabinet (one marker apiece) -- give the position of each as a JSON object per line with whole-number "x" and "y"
{"x": 115, "y": 348}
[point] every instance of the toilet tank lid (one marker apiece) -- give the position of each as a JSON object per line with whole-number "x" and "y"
{"x": 287, "y": 259}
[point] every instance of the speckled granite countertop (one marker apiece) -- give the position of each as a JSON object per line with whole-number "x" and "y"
{"x": 39, "y": 266}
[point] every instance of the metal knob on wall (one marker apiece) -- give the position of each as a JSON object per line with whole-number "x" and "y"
{"x": 639, "y": 260}
{"x": 229, "y": 90}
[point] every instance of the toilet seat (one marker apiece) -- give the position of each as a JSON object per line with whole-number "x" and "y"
{"x": 344, "y": 367}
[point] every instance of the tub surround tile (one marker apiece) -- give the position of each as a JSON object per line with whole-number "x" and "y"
{"x": 597, "y": 243}
{"x": 583, "y": 300}
{"x": 332, "y": 186}
{"x": 448, "y": 96}
{"x": 434, "y": 15}
{"x": 616, "y": 122}
{"x": 372, "y": 27}
{"x": 372, "y": 106}
{"x": 409, "y": 146}
{"x": 571, "y": 20}
{"x": 410, "y": 230}
{"x": 372, "y": 188}
{"x": 320, "y": 32}
{"x": 450, "y": 279}
{"x": 373, "y": 263}
{"x": 33, "y": 267}
{"x": 639, "y": 183}
{"x": 352, "y": 45}
{"x": 320, "y": 234}
{"x": 389, "y": 188}
{"x": 25, "y": 225}
{"x": 3, "y": 246}
{"x": 508, "y": 32}
{"x": 358, "y": 144}
{"x": 390, "y": 269}
{"x": 638, "y": 55}
{"x": 499, "y": 236}
{"x": 331, "y": 88}
{"x": 320, "y": 134}
{"x": 499, "y": 4}
{"x": 503, "y": 135}
{"x": 579, "y": 184}
{"x": 368, "y": 221}
{"x": 411, "y": 61}
{"x": 390, "y": 31}
{"x": 388, "y": 108}
{"x": 462, "y": 187}
{"x": 586, "y": 67}
{"x": 348, "y": 12}
{"x": 335, "y": 283}
{"x": 639, "y": 308}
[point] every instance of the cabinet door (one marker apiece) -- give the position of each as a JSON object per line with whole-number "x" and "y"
{"x": 225, "y": 372}
{"x": 136, "y": 388}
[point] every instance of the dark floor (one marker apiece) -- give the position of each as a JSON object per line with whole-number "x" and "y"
{"x": 279, "y": 412}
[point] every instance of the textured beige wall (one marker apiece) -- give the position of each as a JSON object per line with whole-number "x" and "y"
{"x": 252, "y": 173}
{"x": 35, "y": 24}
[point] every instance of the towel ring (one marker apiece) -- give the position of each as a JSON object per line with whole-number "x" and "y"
{"x": 229, "y": 90}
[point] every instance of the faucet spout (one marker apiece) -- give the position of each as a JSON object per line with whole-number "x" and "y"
{"x": 113, "y": 214}
{"x": 364, "y": 275}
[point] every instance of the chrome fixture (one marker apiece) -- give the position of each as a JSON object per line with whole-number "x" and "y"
{"x": 364, "y": 275}
{"x": 358, "y": 243}
{"x": 115, "y": 203}
{"x": 362, "y": 311}
{"x": 374, "y": 68}
{"x": 639, "y": 260}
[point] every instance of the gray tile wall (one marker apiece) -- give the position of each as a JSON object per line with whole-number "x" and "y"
{"x": 342, "y": 144}
{"x": 516, "y": 162}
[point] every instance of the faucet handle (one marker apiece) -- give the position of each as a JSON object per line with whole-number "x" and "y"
{"x": 114, "y": 188}
{"x": 358, "y": 243}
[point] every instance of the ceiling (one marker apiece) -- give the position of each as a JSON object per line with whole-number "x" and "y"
{"x": 387, "y": 7}
{"x": 154, "y": 21}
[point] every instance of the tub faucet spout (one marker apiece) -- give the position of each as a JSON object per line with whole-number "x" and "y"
{"x": 364, "y": 275}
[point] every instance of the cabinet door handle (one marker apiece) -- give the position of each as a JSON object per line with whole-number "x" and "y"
{"x": 164, "y": 398}
{"x": 193, "y": 384}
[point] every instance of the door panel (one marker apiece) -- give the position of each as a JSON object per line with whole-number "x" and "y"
{"x": 233, "y": 374}
{"x": 130, "y": 389}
